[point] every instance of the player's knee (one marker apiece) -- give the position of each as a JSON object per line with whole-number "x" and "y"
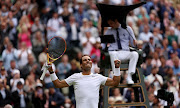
{"x": 135, "y": 54}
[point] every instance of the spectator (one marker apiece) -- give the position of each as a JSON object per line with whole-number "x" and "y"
{"x": 80, "y": 15}
{"x": 56, "y": 99}
{"x": 24, "y": 36}
{"x": 117, "y": 95}
{"x": 157, "y": 36}
{"x": 96, "y": 51}
{"x": 145, "y": 35}
{"x": 151, "y": 98}
{"x": 87, "y": 43}
{"x": 63, "y": 67}
{"x": 176, "y": 67}
{"x": 37, "y": 26}
{"x": 3, "y": 75}
{"x": 5, "y": 95}
{"x": 65, "y": 11}
{"x": 172, "y": 37}
{"x": 11, "y": 70}
{"x": 163, "y": 68}
{"x": 93, "y": 29}
{"x": 38, "y": 43}
{"x": 68, "y": 103}
{"x": 173, "y": 54}
{"x": 31, "y": 67}
{"x": 23, "y": 54}
{"x": 4, "y": 10}
{"x": 165, "y": 48}
{"x": 85, "y": 27}
{"x": 16, "y": 78}
{"x": 155, "y": 78}
{"x": 73, "y": 29}
{"x": 53, "y": 25}
{"x": 147, "y": 66}
{"x": 38, "y": 97}
{"x": 149, "y": 47}
{"x": 3, "y": 44}
{"x": 175, "y": 48}
{"x": 24, "y": 24}
{"x": 9, "y": 54}
{"x": 13, "y": 22}
{"x": 170, "y": 74}
{"x": 156, "y": 61}
{"x": 19, "y": 98}
{"x": 177, "y": 31}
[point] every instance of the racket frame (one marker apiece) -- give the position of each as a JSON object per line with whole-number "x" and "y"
{"x": 50, "y": 60}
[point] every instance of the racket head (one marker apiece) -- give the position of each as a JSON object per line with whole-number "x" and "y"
{"x": 56, "y": 48}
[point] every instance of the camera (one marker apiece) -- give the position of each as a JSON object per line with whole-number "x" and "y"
{"x": 167, "y": 96}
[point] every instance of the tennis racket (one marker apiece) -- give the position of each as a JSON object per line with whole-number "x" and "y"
{"x": 55, "y": 50}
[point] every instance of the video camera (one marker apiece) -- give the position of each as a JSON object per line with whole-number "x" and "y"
{"x": 167, "y": 96}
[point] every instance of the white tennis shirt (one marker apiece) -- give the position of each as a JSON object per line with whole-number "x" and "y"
{"x": 86, "y": 88}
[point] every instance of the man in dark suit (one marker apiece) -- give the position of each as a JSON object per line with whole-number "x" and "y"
{"x": 5, "y": 95}
{"x": 20, "y": 99}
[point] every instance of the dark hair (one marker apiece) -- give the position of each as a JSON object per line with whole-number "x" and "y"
{"x": 162, "y": 57}
{"x": 113, "y": 18}
{"x": 149, "y": 57}
{"x": 82, "y": 57}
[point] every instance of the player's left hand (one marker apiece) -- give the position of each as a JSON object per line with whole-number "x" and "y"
{"x": 117, "y": 63}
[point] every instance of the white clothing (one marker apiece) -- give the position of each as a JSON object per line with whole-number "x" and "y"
{"x": 124, "y": 55}
{"x": 23, "y": 60}
{"x": 156, "y": 63}
{"x": 150, "y": 78}
{"x": 47, "y": 79}
{"x": 116, "y": 2}
{"x": 3, "y": 93}
{"x": 74, "y": 31}
{"x": 87, "y": 49}
{"x": 145, "y": 36}
{"x": 86, "y": 88}
{"x": 126, "y": 36}
{"x": 54, "y": 24}
{"x": 14, "y": 86}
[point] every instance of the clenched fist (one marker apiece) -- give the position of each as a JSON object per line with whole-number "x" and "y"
{"x": 117, "y": 63}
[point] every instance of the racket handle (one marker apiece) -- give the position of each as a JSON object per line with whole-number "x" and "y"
{"x": 43, "y": 74}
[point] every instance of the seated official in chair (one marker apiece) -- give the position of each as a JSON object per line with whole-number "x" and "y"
{"x": 120, "y": 48}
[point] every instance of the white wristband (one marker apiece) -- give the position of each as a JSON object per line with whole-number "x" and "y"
{"x": 53, "y": 77}
{"x": 117, "y": 72}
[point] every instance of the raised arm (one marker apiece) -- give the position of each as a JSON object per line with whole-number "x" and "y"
{"x": 57, "y": 83}
{"x": 116, "y": 79}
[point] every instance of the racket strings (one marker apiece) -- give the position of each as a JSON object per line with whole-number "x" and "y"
{"x": 56, "y": 47}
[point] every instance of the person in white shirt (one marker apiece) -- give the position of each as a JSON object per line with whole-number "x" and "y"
{"x": 154, "y": 78}
{"x": 53, "y": 25}
{"x": 86, "y": 84}
{"x": 145, "y": 35}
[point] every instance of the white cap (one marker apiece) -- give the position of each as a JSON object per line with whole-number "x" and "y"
{"x": 16, "y": 71}
{"x": 38, "y": 85}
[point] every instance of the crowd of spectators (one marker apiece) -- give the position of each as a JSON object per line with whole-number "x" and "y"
{"x": 27, "y": 25}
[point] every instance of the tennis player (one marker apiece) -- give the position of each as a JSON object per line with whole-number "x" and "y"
{"x": 87, "y": 85}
